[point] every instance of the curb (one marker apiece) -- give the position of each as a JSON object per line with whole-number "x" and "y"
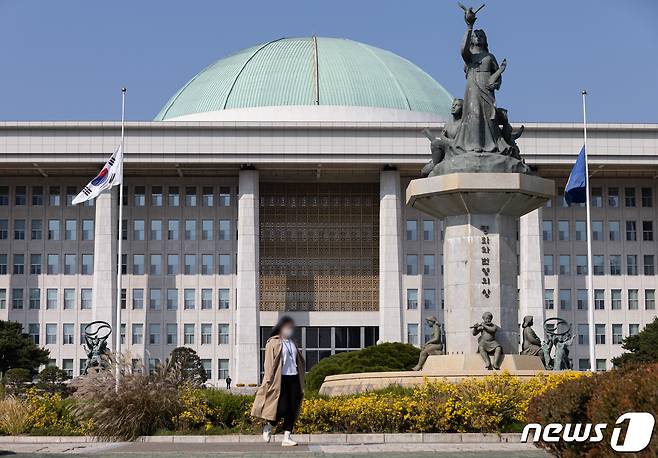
{"x": 316, "y": 439}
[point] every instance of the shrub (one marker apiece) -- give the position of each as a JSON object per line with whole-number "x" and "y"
{"x": 143, "y": 404}
{"x": 184, "y": 365}
{"x": 51, "y": 415}
{"x": 15, "y": 416}
{"x": 601, "y": 398}
{"x": 16, "y": 380}
{"x": 377, "y": 358}
{"x": 230, "y": 410}
{"x": 51, "y": 380}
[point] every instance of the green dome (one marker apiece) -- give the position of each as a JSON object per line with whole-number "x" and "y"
{"x": 310, "y": 71}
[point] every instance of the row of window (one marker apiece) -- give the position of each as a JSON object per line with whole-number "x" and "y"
{"x": 600, "y": 331}
{"x": 598, "y": 262}
{"x": 613, "y": 197}
{"x": 614, "y": 298}
{"x": 54, "y": 229}
{"x": 53, "y": 264}
{"x": 192, "y": 195}
{"x": 429, "y": 299}
{"x": 428, "y": 230}
{"x": 614, "y": 231}
{"x": 158, "y": 299}
{"x": 429, "y": 265}
{"x": 190, "y": 230}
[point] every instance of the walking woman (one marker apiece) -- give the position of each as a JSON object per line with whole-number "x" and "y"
{"x": 280, "y": 394}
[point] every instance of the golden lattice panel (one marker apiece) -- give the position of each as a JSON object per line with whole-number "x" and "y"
{"x": 319, "y": 247}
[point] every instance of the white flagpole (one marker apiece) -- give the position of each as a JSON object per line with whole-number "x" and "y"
{"x": 590, "y": 267}
{"x": 119, "y": 248}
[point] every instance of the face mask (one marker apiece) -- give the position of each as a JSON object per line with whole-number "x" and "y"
{"x": 286, "y": 332}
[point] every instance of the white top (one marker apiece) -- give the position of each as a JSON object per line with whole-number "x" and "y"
{"x": 289, "y": 350}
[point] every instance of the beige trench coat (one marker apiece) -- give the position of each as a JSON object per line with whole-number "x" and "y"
{"x": 267, "y": 396}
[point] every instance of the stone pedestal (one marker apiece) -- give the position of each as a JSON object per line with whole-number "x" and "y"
{"x": 481, "y": 213}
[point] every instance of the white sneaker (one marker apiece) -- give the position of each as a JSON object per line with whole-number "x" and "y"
{"x": 267, "y": 432}
{"x": 287, "y": 441}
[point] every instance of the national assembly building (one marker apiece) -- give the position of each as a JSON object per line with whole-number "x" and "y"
{"x": 273, "y": 182}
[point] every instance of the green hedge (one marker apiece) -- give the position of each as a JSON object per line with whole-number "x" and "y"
{"x": 378, "y": 358}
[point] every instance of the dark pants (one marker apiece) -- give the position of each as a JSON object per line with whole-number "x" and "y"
{"x": 290, "y": 399}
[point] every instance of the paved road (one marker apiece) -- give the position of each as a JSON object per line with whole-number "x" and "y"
{"x": 166, "y": 450}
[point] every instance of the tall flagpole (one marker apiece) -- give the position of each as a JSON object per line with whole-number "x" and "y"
{"x": 590, "y": 267}
{"x": 119, "y": 248}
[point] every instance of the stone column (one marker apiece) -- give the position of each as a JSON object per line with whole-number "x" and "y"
{"x": 480, "y": 276}
{"x": 531, "y": 275}
{"x": 390, "y": 253}
{"x": 106, "y": 227}
{"x": 247, "y": 346}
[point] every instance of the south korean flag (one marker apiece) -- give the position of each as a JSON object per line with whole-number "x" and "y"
{"x": 110, "y": 175}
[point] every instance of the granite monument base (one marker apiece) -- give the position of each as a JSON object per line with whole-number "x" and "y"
{"x": 449, "y": 368}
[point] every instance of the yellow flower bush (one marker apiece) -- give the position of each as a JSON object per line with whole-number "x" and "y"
{"x": 489, "y": 404}
{"x": 196, "y": 411}
{"x": 50, "y": 413}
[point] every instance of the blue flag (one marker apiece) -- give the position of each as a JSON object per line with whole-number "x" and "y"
{"x": 576, "y": 189}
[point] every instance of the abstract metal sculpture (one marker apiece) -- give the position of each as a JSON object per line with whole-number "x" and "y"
{"x": 556, "y": 344}
{"x": 95, "y": 336}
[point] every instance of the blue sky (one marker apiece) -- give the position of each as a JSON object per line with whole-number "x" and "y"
{"x": 67, "y": 59}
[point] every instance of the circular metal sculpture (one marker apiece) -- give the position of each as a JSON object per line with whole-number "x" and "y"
{"x": 556, "y": 343}
{"x": 95, "y": 337}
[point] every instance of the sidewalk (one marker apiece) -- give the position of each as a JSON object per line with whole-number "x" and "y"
{"x": 383, "y": 445}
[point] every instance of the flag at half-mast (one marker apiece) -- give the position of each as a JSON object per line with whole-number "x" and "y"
{"x": 576, "y": 189}
{"x": 110, "y": 175}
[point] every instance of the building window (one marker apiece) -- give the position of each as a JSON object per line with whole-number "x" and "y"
{"x": 649, "y": 266}
{"x": 429, "y": 299}
{"x": 87, "y": 264}
{"x": 87, "y": 229}
{"x": 629, "y": 197}
{"x": 154, "y": 333}
{"x": 583, "y": 334}
{"x": 52, "y": 267}
{"x": 597, "y": 230}
{"x": 206, "y": 299}
{"x": 124, "y": 229}
{"x": 633, "y": 302}
{"x": 224, "y": 264}
{"x": 223, "y": 369}
{"x": 188, "y": 333}
{"x": 547, "y": 230}
{"x": 172, "y": 334}
{"x": 581, "y": 230}
{"x": 599, "y": 299}
{"x": 67, "y": 366}
{"x": 599, "y": 332}
{"x": 548, "y": 299}
{"x": 138, "y": 264}
{"x": 224, "y": 229}
{"x": 138, "y": 299}
{"x": 140, "y": 196}
{"x": 428, "y": 230}
{"x": 138, "y": 230}
{"x": 617, "y": 336}
{"x": 614, "y": 231}
{"x": 155, "y": 267}
{"x": 224, "y": 196}
{"x": 631, "y": 231}
{"x": 138, "y": 333}
{"x": 53, "y": 229}
{"x": 70, "y": 264}
{"x": 613, "y": 197}
{"x": 190, "y": 196}
{"x": 615, "y": 264}
{"x": 155, "y": 299}
{"x": 412, "y": 264}
{"x": 19, "y": 229}
{"x": 647, "y": 231}
{"x": 4, "y": 196}
{"x": 650, "y": 299}
{"x": 188, "y": 299}
{"x": 208, "y": 195}
{"x": 3, "y": 264}
{"x": 565, "y": 264}
{"x": 156, "y": 196}
{"x": 631, "y": 264}
{"x": 124, "y": 298}
{"x": 190, "y": 229}
{"x": 206, "y": 264}
{"x": 172, "y": 229}
{"x": 4, "y": 229}
{"x": 428, "y": 265}
{"x": 52, "y": 299}
{"x": 563, "y": 230}
{"x": 616, "y": 299}
{"x": 583, "y": 364}
{"x": 223, "y": 329}
{"x": 224, "y": 298}
{"x": 207, "y": 368}
{"x": 633, "y": 329}
{"x": 69, "y": 298}
{"x": 68, "y": 333}
{"x": 173, "y": 197}
{"x": 600, "y": 365}
{"x": 51, "y": 334}
{"x": 412, "y": 299}
{"x": 17, "y": 298}
{"x": 71, "y": 192}
{"x": 412, "y": 229}
{"x": 172, "y": 299}
{"x": 206, "y": 229}
{"x": 33, "y": 332}
{"x": 599, "y": 264}
{"x": 206, "y": 333}
{"x": 19, "y": 264}
{"x": 581, "y": 265}
{"x": 565, "y": 299}
{"x": 581, "y": 299}
{"x": 189, "y": 267}
{"x": 124, "y": 264}
{"x": 412, "y": 334}
{"x": 548, "y": 264}
{"x": 647, "y": 197}
{"x": 35, "y": 298}
{"x": 37, "y": 196}
{"x": 172, "y": 264}
{"x": 156, "y": 229}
